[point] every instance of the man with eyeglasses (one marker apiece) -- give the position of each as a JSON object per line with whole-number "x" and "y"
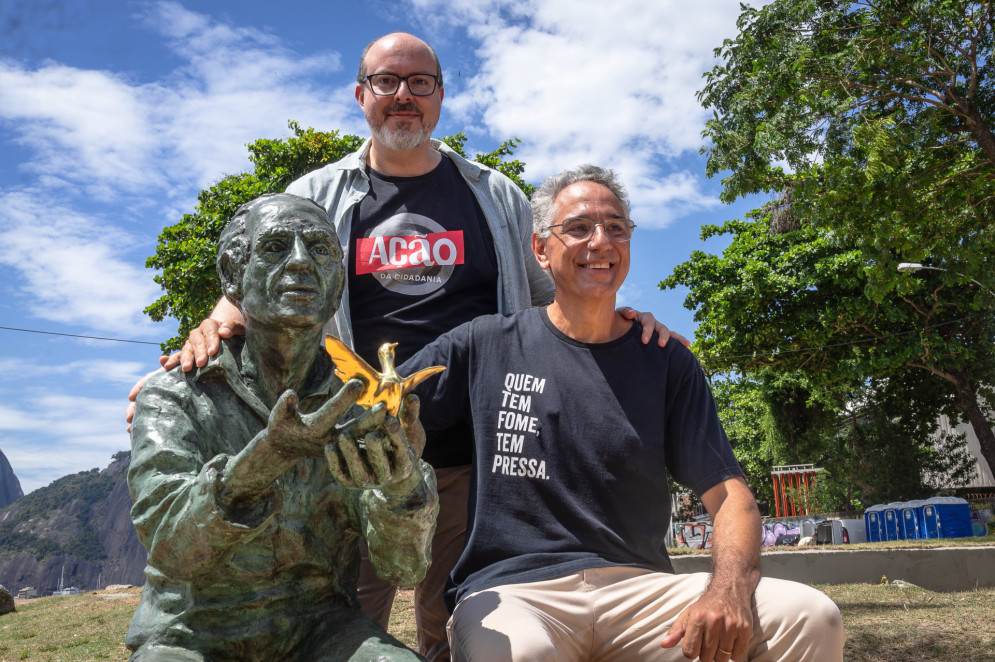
{"x": 576, "y": 425}
{"x": 431, "y": 241}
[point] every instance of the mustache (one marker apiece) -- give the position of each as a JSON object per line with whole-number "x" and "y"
{"x": 409, "y": 107}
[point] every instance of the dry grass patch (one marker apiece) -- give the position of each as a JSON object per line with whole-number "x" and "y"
{"x": 892, "y": 624}
{"x": 74, "y": 628}
{"x": 402, "y": 618}
{"x": 883, "y": 624}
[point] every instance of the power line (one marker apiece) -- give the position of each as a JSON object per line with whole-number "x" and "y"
{"x": 74, "y": 335}
{"x": 842, "y": 344}
{"x": 713, "y": 358}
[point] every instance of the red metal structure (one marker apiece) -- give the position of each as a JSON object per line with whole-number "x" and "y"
{"x": 793, "y": 484}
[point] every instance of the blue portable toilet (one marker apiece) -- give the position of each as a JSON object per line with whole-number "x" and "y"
{"x": 954, "y": 515}
{"x": 874, "y": 523}
{"x": 910, "y": 521}
{"x": 929, "y": 519}
{"x": 893, "y": 521}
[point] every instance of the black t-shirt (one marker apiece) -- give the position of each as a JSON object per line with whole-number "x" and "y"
{"x": 573, "y": 442}
{"x": 422, "y": 262}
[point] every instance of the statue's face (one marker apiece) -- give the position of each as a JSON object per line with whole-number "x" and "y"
{"x": 294, "y": 274}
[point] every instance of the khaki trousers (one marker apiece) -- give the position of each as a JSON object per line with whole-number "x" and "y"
{"x": 622, "y": 613}
{"x": 376, "y": 597}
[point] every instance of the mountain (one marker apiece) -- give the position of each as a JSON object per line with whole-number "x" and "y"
{"x": 10, "y": 487}
{"x": 77, "y": 530}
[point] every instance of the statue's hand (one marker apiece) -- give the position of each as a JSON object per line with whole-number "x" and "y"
{"x": 377, "y": 451}
{"x": 294, "y": 435}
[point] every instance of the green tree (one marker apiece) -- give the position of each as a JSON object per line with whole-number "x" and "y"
{"x": 872, "y": 120}
{"x": 875, "y": 445}
{"x": 785, "y": 310}
{"x": 185, "y": 252}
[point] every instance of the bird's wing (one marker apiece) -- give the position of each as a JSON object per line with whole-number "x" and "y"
{"x": 414, "y": 380}
{"x": 349, "y": 365}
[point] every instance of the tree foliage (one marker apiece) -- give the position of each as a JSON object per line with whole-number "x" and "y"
{"x": 810, "y": 80}
{"x": 875, "y": 443}
{"x": 788, "y": 313}
{"x": 872, "y": 118}
{"x": 185, "y": 252}
{"x": 870, "y": 124}
{"x": 85, "y": 490}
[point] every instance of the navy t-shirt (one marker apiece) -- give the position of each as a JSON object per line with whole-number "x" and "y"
{"x": 573, "y": 443}
{"x": 422, "y": 262}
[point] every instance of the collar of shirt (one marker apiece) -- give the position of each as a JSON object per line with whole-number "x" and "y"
{"x": 225, "y": 365}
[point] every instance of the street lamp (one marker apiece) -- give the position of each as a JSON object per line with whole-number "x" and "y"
{"x": 908, "y": 267}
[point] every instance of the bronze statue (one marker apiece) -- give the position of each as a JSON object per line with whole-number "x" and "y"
{"x": 254, "y": 477}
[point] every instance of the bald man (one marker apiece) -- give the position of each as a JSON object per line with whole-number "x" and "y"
{"x": 431, "y": 241}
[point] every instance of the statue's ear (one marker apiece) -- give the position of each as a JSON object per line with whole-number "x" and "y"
{"x": 231, "y": 278}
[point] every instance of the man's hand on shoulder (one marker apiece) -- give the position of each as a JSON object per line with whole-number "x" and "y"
{"x": 202, "y": 343}
{"x": 716, "y": 628}
{"x": 649, "y": 324}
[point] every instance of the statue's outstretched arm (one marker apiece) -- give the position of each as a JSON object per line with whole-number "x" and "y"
{"x": 379, "y": 457}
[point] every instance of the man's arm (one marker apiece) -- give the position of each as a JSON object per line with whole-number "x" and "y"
{"x": 225, "y": 321}
{"x": 721, "y": 621}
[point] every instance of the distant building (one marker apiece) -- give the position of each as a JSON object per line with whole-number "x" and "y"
{"x": 27, "y": 593}
{"x": 983, "y": 473}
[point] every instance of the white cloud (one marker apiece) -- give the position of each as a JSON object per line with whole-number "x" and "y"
{"x": 36, "y": 466}
{"x": 122, "y": 373}
{"x": 586, "y": 81}
{"x": 12, "y": 418}
{"x": 629, "y": 295}
{"x": 80, "y": 123}
{"x": 109, "y": 135}
{"x": 53, "y": 435}
{"x": 70, "y": 266}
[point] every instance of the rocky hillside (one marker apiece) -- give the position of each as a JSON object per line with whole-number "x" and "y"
{"x": 10, "y": 487}
{"x": 79, "y": 523}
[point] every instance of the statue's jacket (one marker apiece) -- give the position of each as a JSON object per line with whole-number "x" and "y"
{"x": 293, "y": 552}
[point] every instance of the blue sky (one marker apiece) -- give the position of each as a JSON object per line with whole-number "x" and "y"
{"x": 114, "y": 114}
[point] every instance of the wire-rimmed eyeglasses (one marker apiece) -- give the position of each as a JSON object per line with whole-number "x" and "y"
{"x": 420, "y": 85}
{"x": 618, "y": 230}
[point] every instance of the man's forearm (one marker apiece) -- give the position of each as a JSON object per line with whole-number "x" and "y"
{"x": 736, "y": 541}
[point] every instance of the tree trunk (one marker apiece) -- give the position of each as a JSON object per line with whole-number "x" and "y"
{"x": 967, "y": 403}
{"x": 974, "y": 123}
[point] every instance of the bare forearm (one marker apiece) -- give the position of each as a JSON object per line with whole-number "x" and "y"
{"x": 736, "y": 550}
{"x": 736, "y": 541}
{"x": 721, "y": 621}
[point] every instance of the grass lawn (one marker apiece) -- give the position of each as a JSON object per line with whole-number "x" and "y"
{"x": 884, "y": 624}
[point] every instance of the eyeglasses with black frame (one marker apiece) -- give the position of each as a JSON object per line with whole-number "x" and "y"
{"x": 618, "y": 230}
{"x": 420, "y": 85}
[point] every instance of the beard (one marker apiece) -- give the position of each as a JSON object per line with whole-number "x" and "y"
{"x": 404, "y": 136}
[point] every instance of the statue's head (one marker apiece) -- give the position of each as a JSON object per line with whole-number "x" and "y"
{"x": 280, "y": 262}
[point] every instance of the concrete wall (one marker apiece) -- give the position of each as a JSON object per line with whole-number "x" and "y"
{"x": 936, "y": 569}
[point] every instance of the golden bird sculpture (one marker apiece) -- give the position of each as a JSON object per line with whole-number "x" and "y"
{"x": 385, "y": 386}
